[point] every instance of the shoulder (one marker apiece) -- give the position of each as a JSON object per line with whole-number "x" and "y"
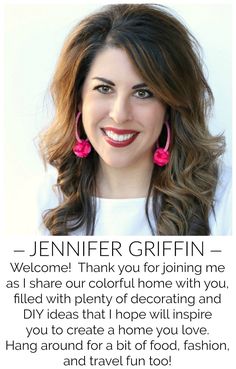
{"x": 220, "y": 220}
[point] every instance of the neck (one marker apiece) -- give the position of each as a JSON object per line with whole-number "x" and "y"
{"x": 124, "y": 183}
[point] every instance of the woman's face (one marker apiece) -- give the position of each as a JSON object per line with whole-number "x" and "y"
{"x": 121, "y": 116}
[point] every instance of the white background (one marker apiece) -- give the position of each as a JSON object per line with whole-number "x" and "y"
{"x": 33, "y": 37}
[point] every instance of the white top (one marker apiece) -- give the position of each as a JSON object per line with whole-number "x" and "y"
{"x": 126, "y": 217}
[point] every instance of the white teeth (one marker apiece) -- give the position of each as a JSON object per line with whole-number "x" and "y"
{"x": 120, "y": 138}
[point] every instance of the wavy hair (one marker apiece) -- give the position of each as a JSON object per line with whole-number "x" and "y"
{"x": 168, "y": 58}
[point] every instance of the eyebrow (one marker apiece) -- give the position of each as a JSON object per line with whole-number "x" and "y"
{"x": 140, "y": 85}
{"x": 105, "y": 80}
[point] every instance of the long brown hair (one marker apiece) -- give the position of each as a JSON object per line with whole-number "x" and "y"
{"x": 168, "y": 58}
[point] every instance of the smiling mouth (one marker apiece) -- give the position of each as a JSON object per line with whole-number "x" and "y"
{"x": 119, "y": 138}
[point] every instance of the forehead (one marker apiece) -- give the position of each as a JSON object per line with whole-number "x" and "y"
{"x": 114, "y": 63}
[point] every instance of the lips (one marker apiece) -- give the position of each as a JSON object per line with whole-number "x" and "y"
{"x": 119, "y": 137}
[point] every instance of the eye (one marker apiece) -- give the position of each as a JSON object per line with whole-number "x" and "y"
{"x": 143, "y": 94}
{"x": 103, "y": 89}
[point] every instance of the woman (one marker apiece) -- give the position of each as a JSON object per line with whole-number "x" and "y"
{"x": 130, "y": 140}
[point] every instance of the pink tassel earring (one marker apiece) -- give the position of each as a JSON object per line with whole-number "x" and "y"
{"x": 162, "y": 156}
{"x": 82, "y": 147}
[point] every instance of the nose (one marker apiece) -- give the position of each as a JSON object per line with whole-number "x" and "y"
{"x": 120, "y": 110}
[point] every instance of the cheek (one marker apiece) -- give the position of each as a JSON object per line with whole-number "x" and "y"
{"x": 93, "y": 110}
{"x": 154, "y": 120}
